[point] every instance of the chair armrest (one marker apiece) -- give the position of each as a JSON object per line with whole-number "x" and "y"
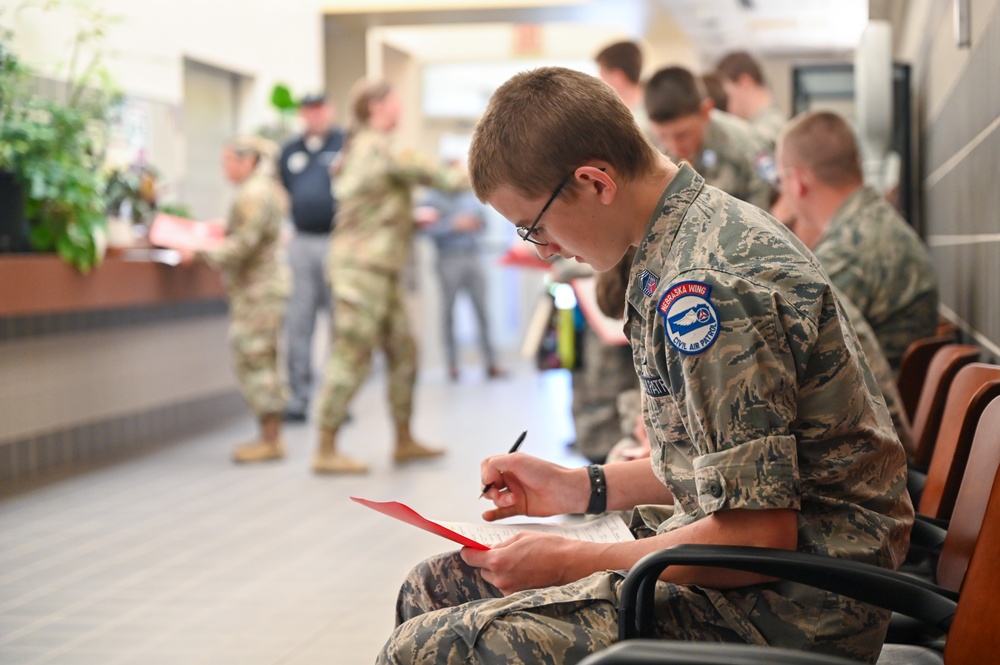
{"x": 928, "y": 534}
{"x": 664, "y": 652}
{"x": 870, "y": 584}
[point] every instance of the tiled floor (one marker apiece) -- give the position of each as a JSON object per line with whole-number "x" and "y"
{"x": 180, "y": 557}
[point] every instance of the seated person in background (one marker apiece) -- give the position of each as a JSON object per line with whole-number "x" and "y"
{"x": 748, "y": 96}
{"x": 867, "y": 249}
{"x": 766, "y": 424}
{"x": 712, "y": 82}
{"x": 454, "y": 221}
{"x": 719, "y": 146}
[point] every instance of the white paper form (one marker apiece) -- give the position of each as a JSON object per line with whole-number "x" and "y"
{"x": 608, "y": 529}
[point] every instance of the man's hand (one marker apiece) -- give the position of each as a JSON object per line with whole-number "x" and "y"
{"x": 528, "y": 561}
{"x": 467, "y": 223}
{"x": 526, "y": 485}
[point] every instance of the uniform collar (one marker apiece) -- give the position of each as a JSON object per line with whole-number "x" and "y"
{"x": 651, "y": 257}
{"x": 856, "y": 201}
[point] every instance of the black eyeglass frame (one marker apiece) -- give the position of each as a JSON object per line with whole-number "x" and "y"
{"x": 524, "y": 232}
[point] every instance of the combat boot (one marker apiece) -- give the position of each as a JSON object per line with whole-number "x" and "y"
{"x": 268, "y": 447}
{"x": 407, "y": 449}
{"x": 328, "y": 460}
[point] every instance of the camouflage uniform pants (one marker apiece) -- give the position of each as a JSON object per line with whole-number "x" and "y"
{"x": 370, "y": 313}
{"x": 447, "y": 614}
{"x": 253, "y": 338}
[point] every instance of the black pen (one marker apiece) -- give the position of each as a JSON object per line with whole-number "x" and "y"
{"x": 513, "y": 449}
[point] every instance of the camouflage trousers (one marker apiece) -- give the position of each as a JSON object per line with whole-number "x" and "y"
{"x": 446, "y": 614}
{"x": 371, "y": 314}
{"x": 254, "y": 324}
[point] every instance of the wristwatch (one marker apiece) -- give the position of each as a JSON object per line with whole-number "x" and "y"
{"x": 598, "y": 490}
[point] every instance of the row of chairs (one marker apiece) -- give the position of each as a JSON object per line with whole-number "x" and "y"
{"x": 955, "y": 469}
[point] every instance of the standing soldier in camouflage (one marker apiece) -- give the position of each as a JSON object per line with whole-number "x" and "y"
{"x": 766, "y": 425}
{"x": 719, "y": 146}
{"x": 867, "y": 249}
{"x": 748, "y": 97}
{"x": 257, "y": 284}
{"x": 369, "y": 246}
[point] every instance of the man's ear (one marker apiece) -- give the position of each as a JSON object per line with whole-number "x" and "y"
{"x": 705, "y": 109}
{"x": 597, "y": 178}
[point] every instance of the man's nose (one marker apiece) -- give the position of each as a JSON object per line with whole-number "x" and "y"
{"x": 546, "y": 252}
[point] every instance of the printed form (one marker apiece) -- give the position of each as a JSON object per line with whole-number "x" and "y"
{"x": 608, "y": 529}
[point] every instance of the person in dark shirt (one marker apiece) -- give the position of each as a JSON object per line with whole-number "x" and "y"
{"x": 305, "y": 173}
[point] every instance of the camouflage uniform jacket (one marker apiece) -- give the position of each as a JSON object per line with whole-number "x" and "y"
{"x": 880, "y": 263}
{"x": 767, "y": 124}
{"x": 375, "y": 227}
{"x": 755, "y": 391}
{"x": 248, "y": 259}
{"x": 736, "y": 161}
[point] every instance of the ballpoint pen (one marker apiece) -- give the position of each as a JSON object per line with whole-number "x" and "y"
{"x": 513, "y": 449}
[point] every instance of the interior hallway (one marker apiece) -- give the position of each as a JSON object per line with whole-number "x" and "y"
{"x": 181, "y": 557}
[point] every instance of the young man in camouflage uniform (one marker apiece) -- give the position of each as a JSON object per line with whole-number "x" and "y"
{"x": 368, "y": 249}
{"x": 766, "y": 425}
{"x": 867, "y": 249}
{"x": 257, "y": 284}
{"x": 748, "y": 97}
{"x": 719, "y": 146}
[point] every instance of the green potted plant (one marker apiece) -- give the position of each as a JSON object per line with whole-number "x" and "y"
{"x": 53, "y": 150}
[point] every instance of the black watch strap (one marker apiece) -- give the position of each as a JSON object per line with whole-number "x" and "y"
{"x": 598, "y": 490}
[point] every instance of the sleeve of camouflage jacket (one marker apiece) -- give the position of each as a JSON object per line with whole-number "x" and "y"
{"x": 250, "y": 225}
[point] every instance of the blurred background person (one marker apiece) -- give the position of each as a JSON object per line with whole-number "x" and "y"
{"x": 257, "y": 286}
{"x": 620, "y": 66}
{"x": 870, "y": 253}
{"x": 455, "y": 222}
{"x": 748, "y": 96}
{"x": 369, "y": 247}
{"x": 719, "y": 146}
{"x": 305, "y": 168}
{"x": 712, "y": 82}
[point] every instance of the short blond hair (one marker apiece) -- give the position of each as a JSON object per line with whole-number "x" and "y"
{"x": 824, "y": 143}
{"x": 543, "y": 124}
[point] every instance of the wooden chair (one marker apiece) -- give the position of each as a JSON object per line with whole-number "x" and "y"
{"x": 969, "y": 619}
{"x": 927, "y": 419}
{"x": 973, "y": 388}
{"x": 913, "y": 369}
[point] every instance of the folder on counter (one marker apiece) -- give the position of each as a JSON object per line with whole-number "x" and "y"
{"x": 179, "y": 233}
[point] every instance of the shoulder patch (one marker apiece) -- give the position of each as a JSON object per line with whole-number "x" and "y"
{"x": 763, "y": 161}
{"x": 648, "y": 282}
{"x": 690, "y": 319}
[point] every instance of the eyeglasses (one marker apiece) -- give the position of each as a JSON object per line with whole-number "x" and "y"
{"x": 525, "y": 232}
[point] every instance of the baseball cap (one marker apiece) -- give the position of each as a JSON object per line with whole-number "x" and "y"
{"x": 312, "y": 99}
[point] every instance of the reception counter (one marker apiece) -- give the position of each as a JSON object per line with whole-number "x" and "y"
{"x": 93, "y": 366}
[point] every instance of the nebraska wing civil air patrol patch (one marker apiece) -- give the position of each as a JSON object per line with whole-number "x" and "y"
{"x": 689, "y": 317}
{"x": 648, "y": 282}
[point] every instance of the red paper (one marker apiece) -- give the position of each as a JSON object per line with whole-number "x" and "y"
{"x": 179, "y": 233}
{"x": 406, "y": 514}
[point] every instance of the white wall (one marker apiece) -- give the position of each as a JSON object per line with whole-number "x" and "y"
{"x": 264, "y": 40}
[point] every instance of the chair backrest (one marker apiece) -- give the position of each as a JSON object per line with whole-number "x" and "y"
{"x": 913, "y": 369}
{"x": 973, "y": 634}
{"x": 927, "y": 420}
{"x": 973, "y": 496}
{"x": 974, "y": 387}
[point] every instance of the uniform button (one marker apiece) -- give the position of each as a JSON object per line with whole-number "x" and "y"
{"x": 715, "y": 489}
